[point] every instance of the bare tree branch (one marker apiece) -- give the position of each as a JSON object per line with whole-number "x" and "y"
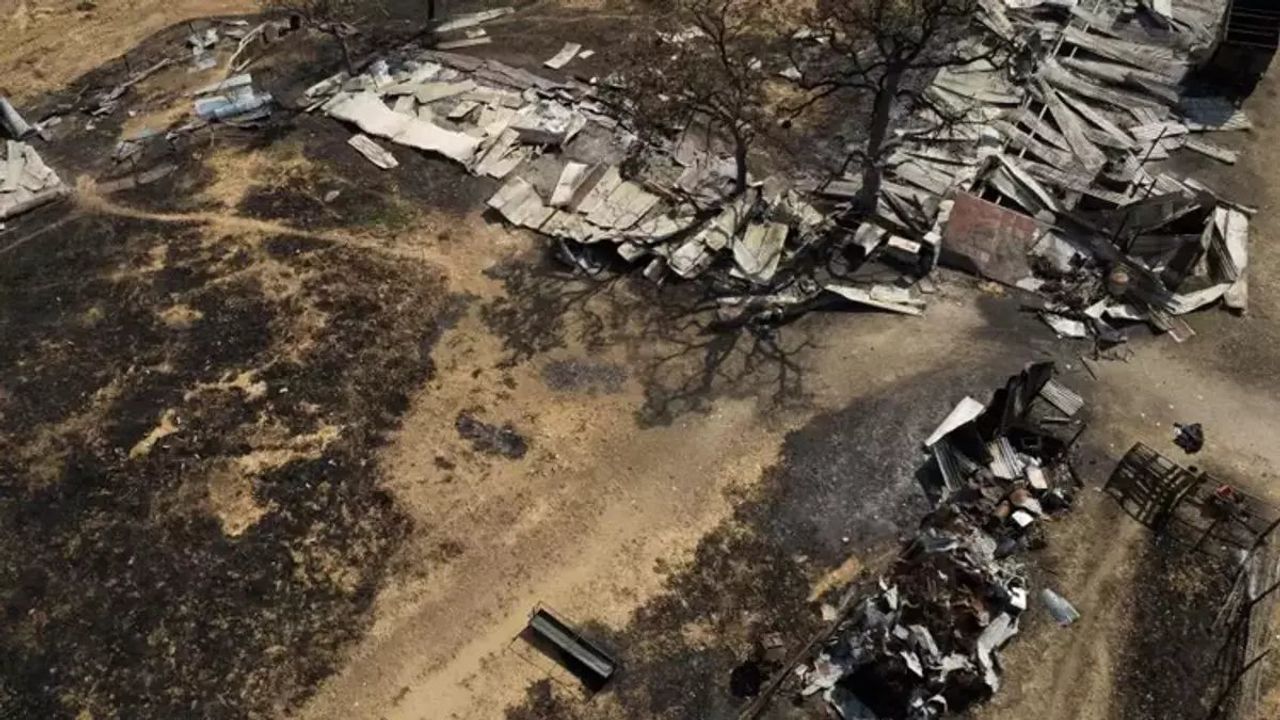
{"x": 700, "y": 63}
{"x": 336, "y": 18}
{"x": 884, "y": 49}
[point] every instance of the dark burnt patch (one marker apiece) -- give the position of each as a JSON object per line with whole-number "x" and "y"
{"x": 297, "y": 199}
{"x": 584, "y": 376}
{"x": 141, "y": 368}
{"x": 1168, "y": 664}
{"x": 491, "y": 439}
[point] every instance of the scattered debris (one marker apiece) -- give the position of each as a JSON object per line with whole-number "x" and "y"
{"x": 1189, "y": 437}
{"x": 491, "y": 439}
{"x": 925, "y": 642}
{"x": 504, "y": 121}
{"x": 1065, "y": 327}
{"x": 105, "y": 103}
{"x": 201, "y": 44}
{"x": 1053, "y": 195}
{"x": 1043, "y": 184}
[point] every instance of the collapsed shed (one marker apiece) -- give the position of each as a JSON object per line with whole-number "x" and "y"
{"x": 1041, "y": 177}
{"x": 1048, "y": 184}
{"x": 926, "y": 640}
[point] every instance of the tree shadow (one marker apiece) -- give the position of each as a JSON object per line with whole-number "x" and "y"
{"x": 683, "y": 356}
{"x": 707, "y": 361}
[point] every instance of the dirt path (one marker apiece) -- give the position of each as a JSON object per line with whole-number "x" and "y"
{"x": 582, "y": 523}
{"x": 88, "y": 198}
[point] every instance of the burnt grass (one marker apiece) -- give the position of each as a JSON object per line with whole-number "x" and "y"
{"x": 1168, "y": 666}
{"x": 123, "y": 594}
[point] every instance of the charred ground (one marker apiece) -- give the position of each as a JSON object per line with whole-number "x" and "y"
{"x": 142, "y": 361}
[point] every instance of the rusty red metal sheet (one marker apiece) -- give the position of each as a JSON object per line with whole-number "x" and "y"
{"x": 988, "y": 240}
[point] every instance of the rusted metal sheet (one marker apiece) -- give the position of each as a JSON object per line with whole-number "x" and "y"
{"x": 988, "y": 240}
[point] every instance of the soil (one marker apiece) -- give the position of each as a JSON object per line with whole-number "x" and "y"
{"x": 232, "y": 482}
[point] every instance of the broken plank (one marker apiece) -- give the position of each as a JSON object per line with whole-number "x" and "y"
{"x": 1152, "y": 83}
{"x": 1108, "y": 133}
{"x": 1150, "y": 57}
{"x": 571, "y": 178}
{"x": 1064, "y": 79}
{"x": 1073, "y": 129}
{"x": 373, "y": 152}
{"x": 468, "y": 20}
{"x": 562, "y": 58}
{"x": 1217, "y": 152}
{"x": 1023, "y": 141}
{"x": 464, "y": 42}
{"x": 1038, "y": 126}
{"x": 876, "y": 297}
{"x": 1073, "y": 181}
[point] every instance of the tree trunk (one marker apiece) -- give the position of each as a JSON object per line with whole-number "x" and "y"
{"x": 740, "y": 148}
{"x": 346, "y": 52}
{"x": 878, "y": 132}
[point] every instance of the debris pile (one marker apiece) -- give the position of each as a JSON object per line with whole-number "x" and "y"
{"x": 559, "y": 151}
{"x": 25, "y": 181}
{"x": 925, "y": 643}
{"x": 1033, "y": 170}
{"x": 1037, "y": 172}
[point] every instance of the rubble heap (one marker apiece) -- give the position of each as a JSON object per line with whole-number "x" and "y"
{"x": 1033, "y": 170}
{"x": 559, "y": 151}
{"x": 925, "y": 642}
{"x": 1042, "y": 177}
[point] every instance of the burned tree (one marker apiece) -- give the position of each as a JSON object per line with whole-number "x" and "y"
{"x": 335, "y": 18}
{"x": 885, "y": 51}
{"x": 700, "y": 67}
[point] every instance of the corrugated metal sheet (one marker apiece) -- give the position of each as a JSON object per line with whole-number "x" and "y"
{"x": 988, "y": 240}
{"x": 1062, "y": 397}
{"x": 1005, "y": 463}
{"x": 948, "y": 464}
